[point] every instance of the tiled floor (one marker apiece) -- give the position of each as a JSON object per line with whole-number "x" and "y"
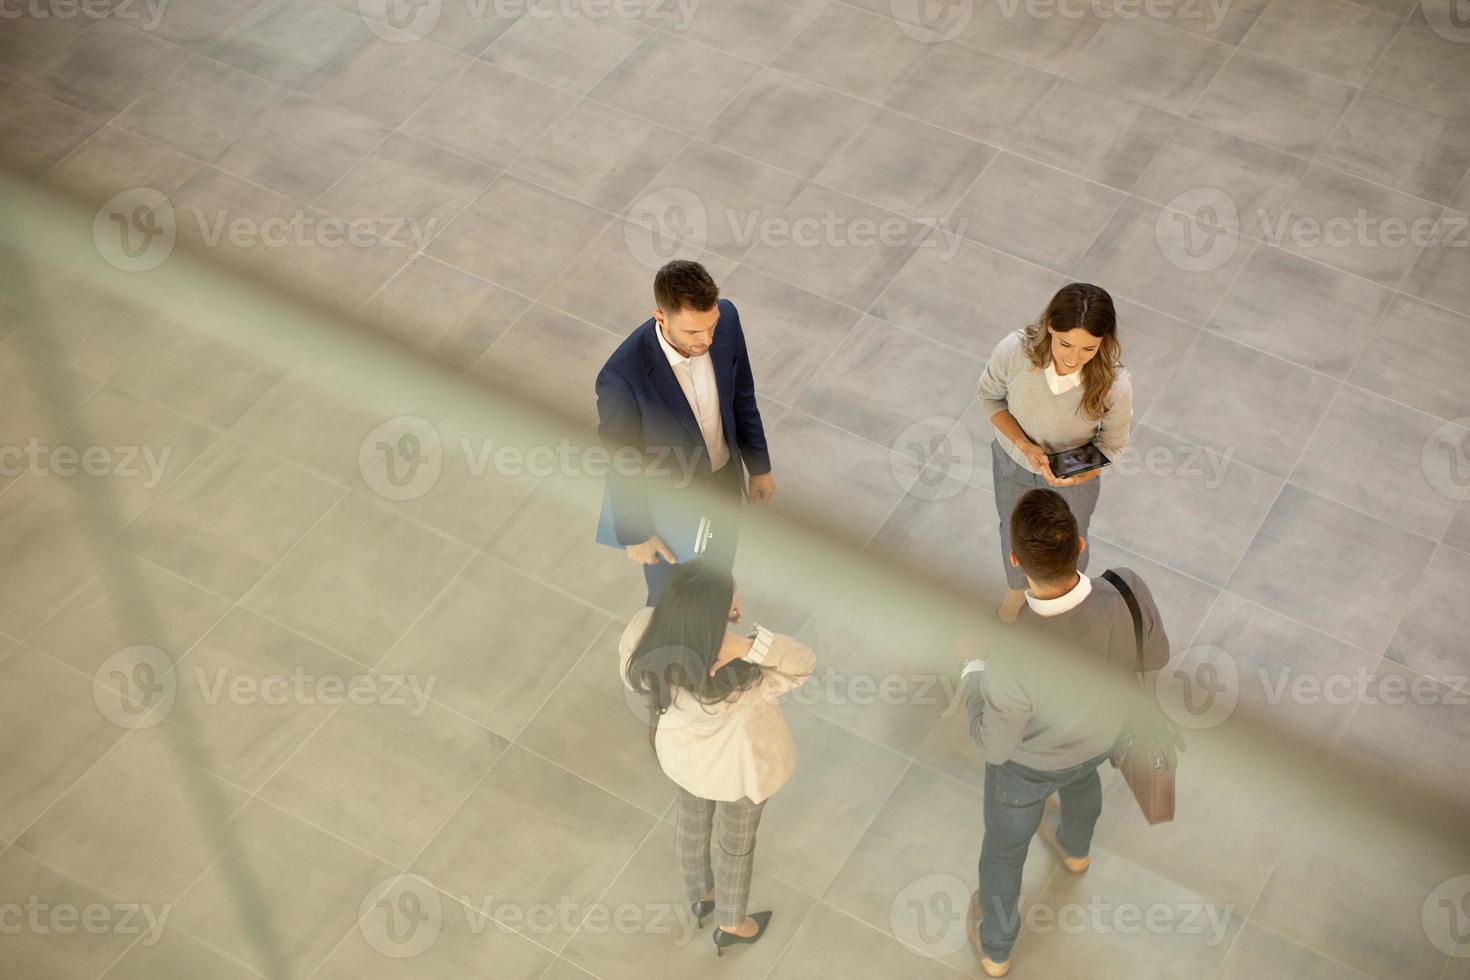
{"x": 487, "y": 805}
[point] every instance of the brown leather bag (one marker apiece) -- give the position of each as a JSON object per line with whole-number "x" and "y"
{"x": 1147, "y": 749}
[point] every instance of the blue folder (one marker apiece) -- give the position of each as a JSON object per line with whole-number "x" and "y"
{"x": 684, "y": 529}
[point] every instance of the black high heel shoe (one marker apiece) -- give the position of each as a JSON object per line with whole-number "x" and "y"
{"x": 701, "y": 910}
{"x": 723, "y": 938}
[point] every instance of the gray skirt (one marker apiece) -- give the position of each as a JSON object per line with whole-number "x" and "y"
{"x": 1012, "y": 480}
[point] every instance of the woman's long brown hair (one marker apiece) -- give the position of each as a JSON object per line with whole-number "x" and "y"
{"x": 1081, "y": 304}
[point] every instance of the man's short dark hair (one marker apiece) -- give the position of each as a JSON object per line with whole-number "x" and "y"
{"x": 684, "y": 285}
{"x": 1044, "y": 536}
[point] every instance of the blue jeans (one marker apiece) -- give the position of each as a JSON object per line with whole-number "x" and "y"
{"x": 1015, "y": 796}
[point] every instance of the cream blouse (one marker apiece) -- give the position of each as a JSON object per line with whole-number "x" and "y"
{"x": 737, "y": 748}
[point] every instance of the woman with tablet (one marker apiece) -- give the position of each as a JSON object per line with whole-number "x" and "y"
{"x": 1061, "y": 402}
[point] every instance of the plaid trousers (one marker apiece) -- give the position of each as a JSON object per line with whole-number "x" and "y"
{"x": 733, "y": 827}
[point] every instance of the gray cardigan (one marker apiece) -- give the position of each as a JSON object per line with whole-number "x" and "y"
{"x": 1053, "y": 422}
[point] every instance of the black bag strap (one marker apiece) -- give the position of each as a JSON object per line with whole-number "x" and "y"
{"x": 1116, "y": 581}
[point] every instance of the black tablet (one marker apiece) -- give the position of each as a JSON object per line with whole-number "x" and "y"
{"x": 1070, "y": 462}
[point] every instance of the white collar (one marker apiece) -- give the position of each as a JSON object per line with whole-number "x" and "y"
{"x": 672, "y": 353}
{"x": 1059, "y": 383}
{"x": 1062, "y": 603}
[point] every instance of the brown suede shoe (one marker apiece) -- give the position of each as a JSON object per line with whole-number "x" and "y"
{"x": 1050, "y": 817}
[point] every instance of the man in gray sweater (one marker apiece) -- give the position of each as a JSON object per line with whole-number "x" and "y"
{"x": 1046, "y": 706}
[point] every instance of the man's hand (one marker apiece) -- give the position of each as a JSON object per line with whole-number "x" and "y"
{"x": 762, "y": 488}
{"x": 650, "y": 551}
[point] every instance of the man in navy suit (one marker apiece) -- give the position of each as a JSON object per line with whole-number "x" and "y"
{"x": 679, "y": 391}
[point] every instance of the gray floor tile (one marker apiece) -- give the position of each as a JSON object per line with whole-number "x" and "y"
{"x": 1094, "y": 134}
{"x": 1186, "y": 504}
{"x": 752, "y": 29}
{"x": 758, "y": 122}
{"x": 660, "y": 940}
{"x": 835, "y": 246}
{"x": 552, "y": 836}
{"x": 1346, "y": 222}
{"x": 541, "y": 635}
{"x": 1033, "y": 211}
{"x": 488, "y": 114}
{"x": 1424, "y": 69}
{"x": 42, "y": 952}
{"x": 571, "y": 52}
{"x": 39, "y": 131}
{"x": 599, "y": 155}
{"x": 54, "y": 731}
{"x": 433, "y": 756}
{"x": 1330, "y": 37}
{"x": 884, "y": 383}
{"x": 287, "y": 41}
{"x": 906, "y": 166}
{"x": 1332, "y": 568}
{"x": 854, "y": 52}
{"x": 444, "y": 310}
{"x": 732, "y": 201}
{"x": 1410, "y": 149}
{"x": 111, "y": 161}
{"x": 1185, "y": 600}
{"x": 1264, "y": 419}
{"x": 358, "y": 580}
{"x": 386, "y": 81}
{"x": 1369, "y": 453}
{"x": 1259, "y": 954}
{"x": 518, "y": 235}
{"x": 192, "y": 25}
{"x": 177, "y": 954}
{"x": 966, "y": 295}
{"x": 105, "y": 68}
{"x": 1047, "y": 41}
{"x": 225, "y": 218}
{"x": 334, "y": 263}
{"x": 1331, "y": 315}
{"x": 137, "y": 823}
{"x": 947, "y": 527}
{"x": 832, "y": 944}
{"x": 468, "y": 28}
{"x": 978, "y": 94}
{"x": 305, "y": 914}
{"x": 1439, "y": 273}
{"x": 1458, "y": 536}
{"x": 1414, "y": 358}
{"x": 710, "y": 80}
{"x": 1274, "y": 104}
{"x": 301, "y": 147}
{"x": 547, "y": 351}
{"x": 1169, "y": 260}
{"x": 55, "y": 540}
{"x": 1256, "y": 180}
{"x": 32, "y": 41}
{"x": 201, "y": 109}
{"x": 1429, "y": 639}
{"x": 1144, "y": 60}
{"x": 1153, "y": 345}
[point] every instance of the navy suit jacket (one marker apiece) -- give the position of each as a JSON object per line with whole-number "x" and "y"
{"x": 640, "y": 404}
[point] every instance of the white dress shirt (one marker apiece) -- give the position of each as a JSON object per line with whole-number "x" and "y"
{"x": 696, "y": 376}
{"x": 1045, "y": 607}
{"x": 1060, "y": 383}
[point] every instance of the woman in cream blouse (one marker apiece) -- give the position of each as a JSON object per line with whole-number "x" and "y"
{"x": 1056, "y": 385}
{"x": 718, "y": 731}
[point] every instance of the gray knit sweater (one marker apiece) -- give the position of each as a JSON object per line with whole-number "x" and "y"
{"x": 1053, "y": 422}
